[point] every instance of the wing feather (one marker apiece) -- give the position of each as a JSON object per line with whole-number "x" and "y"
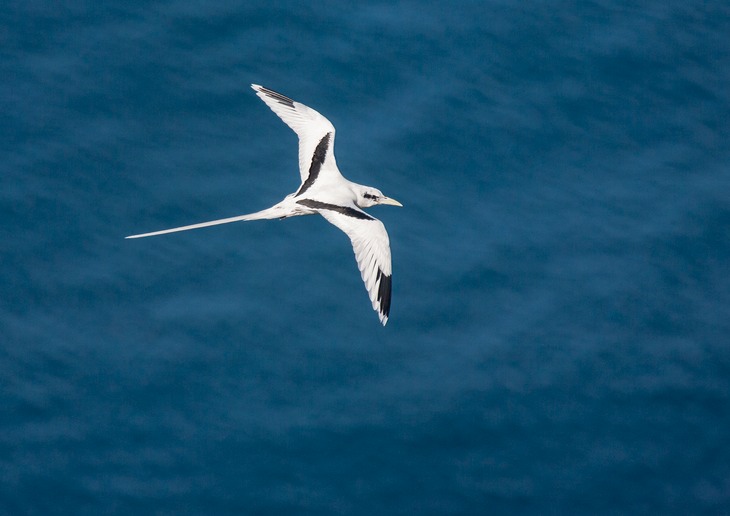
{"x": 372, "y": 251}
{"x": 311, "y": 128}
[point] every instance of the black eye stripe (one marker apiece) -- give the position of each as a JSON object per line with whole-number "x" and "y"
{"x": 368, "y": 196}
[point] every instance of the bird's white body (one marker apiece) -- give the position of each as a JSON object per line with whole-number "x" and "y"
{"x": 323, "y": 190}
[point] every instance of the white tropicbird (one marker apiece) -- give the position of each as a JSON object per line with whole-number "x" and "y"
{"x": 325, "y": 191}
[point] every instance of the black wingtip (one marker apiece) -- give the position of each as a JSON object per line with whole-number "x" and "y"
{"x": 384, "y": 289}
{"x": 281, "y": 99}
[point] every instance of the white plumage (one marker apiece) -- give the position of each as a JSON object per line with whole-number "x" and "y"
{"x": 323, "y": 190}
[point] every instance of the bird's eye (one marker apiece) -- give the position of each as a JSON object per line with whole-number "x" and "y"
{"x": 370, "y": 196}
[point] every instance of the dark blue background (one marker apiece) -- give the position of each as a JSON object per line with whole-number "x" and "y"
{"x": 561, "y": 300}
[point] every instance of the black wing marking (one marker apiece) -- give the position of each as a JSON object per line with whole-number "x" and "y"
{"x": 344, "y": 210}
{"x": 320, "y": 153}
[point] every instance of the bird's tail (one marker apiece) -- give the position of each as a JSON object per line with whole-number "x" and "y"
{"x": 274, "y": 212}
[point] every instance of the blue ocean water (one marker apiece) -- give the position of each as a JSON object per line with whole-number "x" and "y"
{"x": 558, "y": 340}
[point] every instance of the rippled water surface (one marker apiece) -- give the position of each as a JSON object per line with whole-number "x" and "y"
{"x": 558, "y": 340}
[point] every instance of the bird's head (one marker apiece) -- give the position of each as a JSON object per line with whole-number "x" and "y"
{"x": 367, "y": 197}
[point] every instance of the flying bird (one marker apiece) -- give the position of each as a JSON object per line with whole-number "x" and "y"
{"x": 325, "y": 191}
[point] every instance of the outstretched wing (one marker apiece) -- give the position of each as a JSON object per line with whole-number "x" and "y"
{"x": 316, "y": 135}
{"x": 372, "y": 249}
